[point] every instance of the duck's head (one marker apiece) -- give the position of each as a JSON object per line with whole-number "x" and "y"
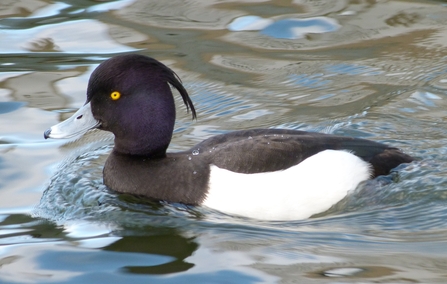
{"x": 130, "y": 96}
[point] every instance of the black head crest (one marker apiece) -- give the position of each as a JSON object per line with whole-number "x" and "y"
{"x": 122, "y": 68}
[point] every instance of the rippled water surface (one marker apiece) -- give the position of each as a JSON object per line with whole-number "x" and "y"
{"x": 371, "y": 69}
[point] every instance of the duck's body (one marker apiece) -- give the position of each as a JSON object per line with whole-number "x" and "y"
{"x": 260, "y": 173}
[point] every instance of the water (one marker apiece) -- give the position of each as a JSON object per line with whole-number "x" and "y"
{"x": 362, "y": 69}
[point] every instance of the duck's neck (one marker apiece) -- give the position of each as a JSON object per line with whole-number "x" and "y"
{"x": 153, "y": 146}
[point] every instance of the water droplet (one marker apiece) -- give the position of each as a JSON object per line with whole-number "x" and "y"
{"x": 189, "y": 158}
{"x": 342, "y": 272}
{"x": 195, "y": 152}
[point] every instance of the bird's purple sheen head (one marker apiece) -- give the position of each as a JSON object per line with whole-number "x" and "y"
{"x": 131, "y": 97}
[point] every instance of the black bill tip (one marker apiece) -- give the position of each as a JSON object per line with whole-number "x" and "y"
{"x": 47, "y": 133}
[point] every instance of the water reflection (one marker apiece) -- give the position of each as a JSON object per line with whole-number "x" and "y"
{"x": 6, "y": 107}
{"x": 161, "y": 253}
{"x": 169, "y": 244}
{"x": 285, "y": 28}
{"x": 65, "y": 37}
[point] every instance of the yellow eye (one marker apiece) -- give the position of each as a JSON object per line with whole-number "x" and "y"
{"x": 115, "y": 95}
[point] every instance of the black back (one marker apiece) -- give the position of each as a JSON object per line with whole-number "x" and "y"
{"x": 265, "y": 150}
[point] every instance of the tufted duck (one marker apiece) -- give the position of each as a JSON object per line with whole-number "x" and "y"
{"x": 271, "y": 174}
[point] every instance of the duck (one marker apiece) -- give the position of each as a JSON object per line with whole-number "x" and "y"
{"x": 264, "y": 174}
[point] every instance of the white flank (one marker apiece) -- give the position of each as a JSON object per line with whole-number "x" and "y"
{"x": 299, "y": 192}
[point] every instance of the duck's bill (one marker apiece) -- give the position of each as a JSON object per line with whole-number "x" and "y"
{"x": 79, "y": 123}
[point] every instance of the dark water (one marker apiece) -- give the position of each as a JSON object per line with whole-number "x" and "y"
{"x": 361, "y": 68}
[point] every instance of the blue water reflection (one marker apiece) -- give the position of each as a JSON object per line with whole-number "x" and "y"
{"x": 309, "y": 81}
{"x": 286, "y": 28}
{"x": 352, "y": 69}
